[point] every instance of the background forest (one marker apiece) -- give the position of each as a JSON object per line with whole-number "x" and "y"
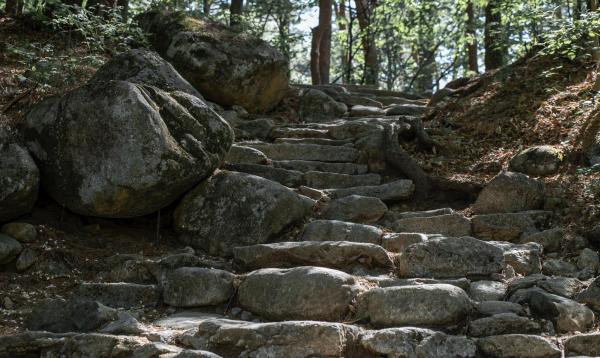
{"x": 410, "y": 45}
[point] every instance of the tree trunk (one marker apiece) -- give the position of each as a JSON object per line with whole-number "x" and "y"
{"x": 315, "y": 70}
{"x": 235, "y": 12}
{"x": 472, "y": 33}
{"x": 320, "y": 54}
{"x": 340, "y": 15}
{"x": 206, "y": 7}
{"x": 494, "y": 52}
{"x": 13, "y": 7}
{"x": 364, "y": 10}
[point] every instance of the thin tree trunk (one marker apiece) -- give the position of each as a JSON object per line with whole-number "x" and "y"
{"x": 341, "y": 18}
{"x": 472, "y": 32}
{"x": 494, "y": 52}
{"x": 365, "y": 9}
{"x": 235, "y": 12}
{"x": 325, "y": 14}
{"x": 13, "y": 7}
{"x": 206, "y": 7}
{"x": 315, "y": 73}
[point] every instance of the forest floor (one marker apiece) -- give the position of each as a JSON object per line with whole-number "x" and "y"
{"x": 538, "y": 101}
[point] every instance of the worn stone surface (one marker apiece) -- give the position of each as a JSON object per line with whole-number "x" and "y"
{"x": 426, "y": 305}
{"x": 583, "y": 344}
{"x": 19, "y": 181}
{"x": 518, "y": 345}
{"x": 392, "y": 191}
{"x": 366, "y": 111}
{"x": 567, "y": 315}
{"x": 196, "y": 286}
{"x": 26, "y": 259}
{"x": 509, "y": 192}
{"x": 119, "y": 295}
{"x": 227, "y": 67}
{"x": 559, "y": 267}
{"x": 450, "y": 258}
{"x": 173, "y": 141}
{"x": 335, "y": 230}
{"x": 307, "y": 165}
{"x": 490, "y": 308}
{"x": 259, "y": 128}
{"x": 355, "y": 208}
{"x": 487, "y": 291}
{"x": 312, "y": 293}
{"x": 440, "y": 345}
{"x": 539, "y": 161}
{"x": 22, "y": 232}
{"x": 394, "y": 342}
{"x": 550, "y": 239}
{"x": 317, "y": 107}
{"x": 245, "y": 155}
{"x": 591, "y": 295}
{"x": 405, "y": 110}
{"x": 525, "y": 259}
{"x": 324, "y": 180}
{"x": 289, "y": 178}
{"x": 143, "y": 67}
{"x": 503, "y": 323}
{"x": 59, "y": 315}
{"x": 341, "y": 255}
{"x": 208, "y": 217}
{"x": 447, "y": 225}
{"x": 399, "y": 242}
{"x": 9, "y": 249}
{"x": 508, "y": 226}
{"x": 588, "y": 259}
{"x": 311, "y": 152}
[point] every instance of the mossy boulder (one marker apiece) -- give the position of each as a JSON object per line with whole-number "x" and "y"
{"x": 540, "y": 160}
{"x": 118, "y": 149}
{"x": 227, "y": 67}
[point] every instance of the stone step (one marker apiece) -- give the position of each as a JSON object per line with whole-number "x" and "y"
{"x": 290, "y": 178}
{"x": 319, "y": 141}
{"x": 324, "y": 180}
{"x": 307, "y": 166}
{"x": 405, "y": 110}
{"x": 298, "y": 132}
{"x": 322, "y": 153}
{"x": 392, "y": 191}
{"x": 335, "y": 230}
{"x": 446, "y": 225}
{"x": 341, "y": 255}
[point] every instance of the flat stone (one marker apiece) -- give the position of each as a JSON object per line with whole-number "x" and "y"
{"x": 405, "y": 110}
{"x": 567, "y": 315}
{"x": 558, "y": 267}
{"x": 245, "y": 155}
{"x": 440, "y": 345}
{"x": 392, "y": 191}
{"x": 60, "y": 315}
{"x": 22, "y": 232}
{"x": 508, "y": 226}
{"x": 335, "y": 230}
{"x": 319, "y": 141}
{"x": 318, "y": 107}
{"x": 9, "y": 249}
{"x": 387, "y": 281}
{"x": 325, "y": 180}
{"x": 518, "y": 345}
{"x": 487, "y": 291}
{"x": 450, "y": 258}
{"x": 447, "y": 225}
{"x": 353, "y": 100}
{"x": 365, "y": 111}
{"x": 312, "y": 293}
{"x": 503, "y": 323}
{"x": 394, "y": 342}
{"x": 550, "y": 239}
{"x": 399, "y": 242}
{"x": 119, "y": 295}
{"x": 196, "y": 287}
{"x": 425, "y": 305}
{"x": 422, "y": 214}
{"x": 289, "y": 178}
{"x": 490, "y": 308}
{"x": 562, "y": 286}
{"x": 509, "y": 192}
{"x": 321, "y": 153}
{"x": 307, "y": 166}
{"x": 298, "y": 132}
{"x": 583, "y": 344}
{"x": 524, "y": 258}
{"x": 259, "y": 128}
{"x": 341, "y": 255}
{"x": 355, "y": 208}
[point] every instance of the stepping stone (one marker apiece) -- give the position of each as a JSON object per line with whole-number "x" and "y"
{"x": 298, "y": 132}
{"x": 335, "y": 230}
{"x": 324, "y": 180}
{"x": 387, "y": 281}
{"x": 490, "y": 308}
{"x": 453, "y": 225}
{"x": 425, "y": 305}
{"x": 289, "y": 178}
{"x": 389, "y": 101}
{"x": 321, "y": 153}
{"x": 196, "y": 287}
{"x": 450, "y": 258}
{"x": 583, "y": 344}
{"x": 563, "y": 286}
{"x": 399, "y": 242}
{"x": 355, "y": 208}
{"x": 487, "y": 291}
{"x": 319, "y": 141}
{"x": 405, "y": 110}
{"x": 245, "y": 155}
{"x": 567, "y": 315}
{"x": 504, "y": 323}
{"x": 352, "y": 100}
{"x": 365, "y": 111}
{"x": 302, "y": 293}
{"x": 275, "y": 340}
{"x": 119, "y": 294}
{"x": 524, "y": 258}
{"x": 518, "y": 345}
{"x": 392, "y": 191}
{"x": 550, "y": 239}
{"x": 307, "y": 166}
{"x": 422, "y": 214}
{"x": 340, "y": 255}
{"x": 509, "y": 192}
{"x": 509, "y": 226}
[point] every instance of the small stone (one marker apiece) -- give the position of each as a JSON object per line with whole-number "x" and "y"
{"x": 246, "y": 316}
{"x": 557, "y": 267}
{"x": 8, "y": 303}
{"x": 9, "y": 249}
{"x": 510, "y": 192}
{"x": 588, "y": 259}
{"x": 550, "y": 239}
{"x": 355, "y": 208}
{"x": 235, "y": 311}
{"x": 22, "y": 232}
{"x": 26, "y": 259}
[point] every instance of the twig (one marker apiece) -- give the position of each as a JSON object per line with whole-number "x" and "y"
{"x": 20, "y": 97}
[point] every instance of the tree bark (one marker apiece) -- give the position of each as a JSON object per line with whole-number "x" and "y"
{"x": 315, "y": 70}
{"x": 235, "y": 12}
{"x": 13, "y": 7}
{"x": 472, "y": 32}
{"x": 340, "y": 15}
{"x": 494, "y": 47}
{"x": 206, "y": 7}
{"x": 320, "y": 55}
{"x": 364, "y": 11}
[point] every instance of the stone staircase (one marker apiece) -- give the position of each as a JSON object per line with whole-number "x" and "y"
{"x": 360, "y": 279}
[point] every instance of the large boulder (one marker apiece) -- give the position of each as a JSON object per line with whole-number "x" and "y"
{"x": 144, "y": 67}
{"x": 227, "y": 67}
{"x": 19, "y": 180}
{"x": 510, "y": 192}
{"x": 118, "y": 149}
{"x": 236, "y": 209}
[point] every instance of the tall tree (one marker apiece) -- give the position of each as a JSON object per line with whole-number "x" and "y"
{"x": 13, "y": 7}
{"x": 365, "y": 10}
{"x": 206, "y": 7}
{"x": 342, "y": 23}
{"x": 472, "y": 38}
{"x": 320, "y": 54}
{"x": 494, "y": 39}
{"x": 235, "y": 12}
